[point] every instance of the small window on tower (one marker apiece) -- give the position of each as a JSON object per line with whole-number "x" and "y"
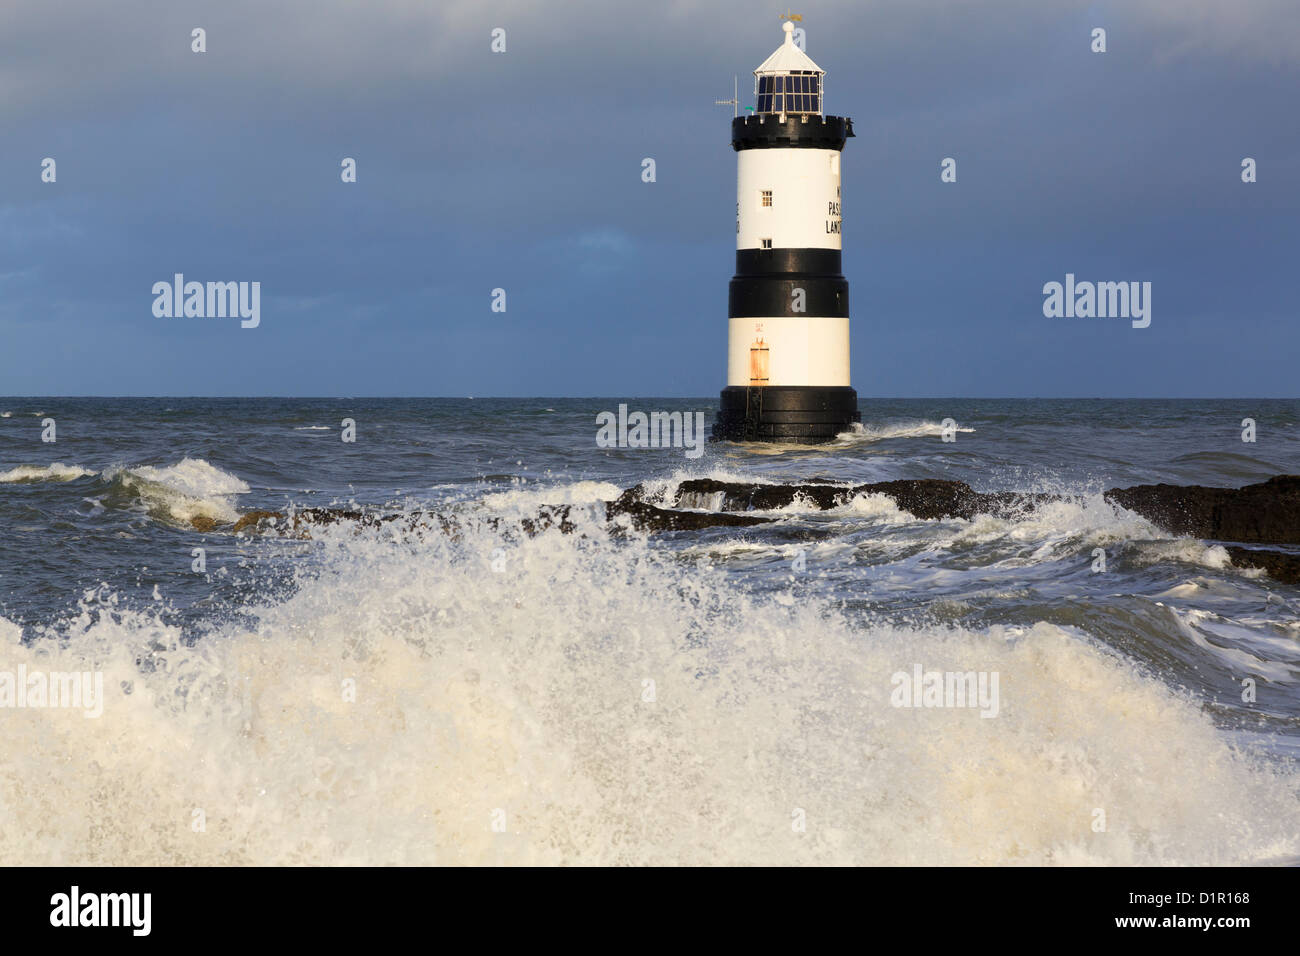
{"x": 767, "y": 197}
{"x": 767, "y": 243}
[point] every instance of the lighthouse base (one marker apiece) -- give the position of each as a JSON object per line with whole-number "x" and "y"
{"x": 802, "y": 414}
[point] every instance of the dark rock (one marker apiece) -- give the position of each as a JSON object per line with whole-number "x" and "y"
{"x": 1279, "y": 565}
{"x": 646, "y": 517}
{"x": 930, "y": 498}
{"x": 1263, "y": 513}
{"x": 321, "y": 516}
{"x": 203, "y": 523}
{"x": 252, "y": 520}
{"x": 742, "y": 496}
{"x": 550, "y": 516}
{"x": 924, "y": 498}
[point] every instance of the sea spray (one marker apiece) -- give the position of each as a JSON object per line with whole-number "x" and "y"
{"x": 501, "y": 717}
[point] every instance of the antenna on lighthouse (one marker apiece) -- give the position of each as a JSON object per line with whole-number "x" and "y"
{"x": 734, "y": 102}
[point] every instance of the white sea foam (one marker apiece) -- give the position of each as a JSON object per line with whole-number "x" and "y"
{"x": 799, "y": 504}
{"x": 698, "y": 501}
{"x": 663, "y": 490}
{"x": 512, "y": 675}
{"x": 528, "y": 498}
{"x": 37, "y": 473}
{"x": 881, "y": 432}
{"x": 1232, "y": 643}
{"x": 878, "y": 506}
{"x": 1089, "y": 521}
{"x": 855, "y": 434}
{"x": 189, "y": 489}
{"x": 1183, "y": 550}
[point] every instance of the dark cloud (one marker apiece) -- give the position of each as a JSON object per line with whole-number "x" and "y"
{"x": 522, "y": 170}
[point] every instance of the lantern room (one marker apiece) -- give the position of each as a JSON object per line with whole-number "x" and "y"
{"x": 788, "y": 81}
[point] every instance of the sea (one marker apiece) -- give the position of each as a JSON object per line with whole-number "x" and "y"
{"x": 465, "y": 692}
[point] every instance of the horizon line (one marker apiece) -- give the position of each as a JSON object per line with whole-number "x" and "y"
{"x": 628, "y": 398}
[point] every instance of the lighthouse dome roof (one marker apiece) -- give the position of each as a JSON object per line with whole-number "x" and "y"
{"x": 788, "y": 58}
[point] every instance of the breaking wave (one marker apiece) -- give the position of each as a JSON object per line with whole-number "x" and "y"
{"x": 25, "y": 474}
{"x": 178, "y": 493}
{"x": 605, "y": 705}
{"x": 174, "y": 493}
{"x": 917, "y": 429}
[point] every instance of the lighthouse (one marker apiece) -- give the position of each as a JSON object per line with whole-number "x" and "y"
{"x": 788, "y": 305}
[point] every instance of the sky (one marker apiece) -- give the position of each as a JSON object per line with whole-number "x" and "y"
{"x": 522, "y": 170}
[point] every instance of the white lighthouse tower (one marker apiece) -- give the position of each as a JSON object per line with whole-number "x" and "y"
{"x": 788, "y": 343}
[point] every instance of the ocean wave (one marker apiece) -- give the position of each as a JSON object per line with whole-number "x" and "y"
{"x": 37, "y": 473}
{"x": 1234, "y": 645}
{"x": 601, "y": 704}
{"x": 882, "y": 432}
{"x": 856, "y": 434}
{"x": 1086, "y": 521}
{"x": 864, "y": 505}
{"x": 1184, "y": 551}
{"x": 527, "y": 499}
{"x": 876, "y": 506}
{"x": 179, "y": 493}
{"x": 176, "y": 493}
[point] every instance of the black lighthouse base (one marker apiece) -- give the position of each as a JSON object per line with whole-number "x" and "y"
{"x": 800, "y": 414}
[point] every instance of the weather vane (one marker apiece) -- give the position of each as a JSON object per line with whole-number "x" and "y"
{"x": 791, "y": 16}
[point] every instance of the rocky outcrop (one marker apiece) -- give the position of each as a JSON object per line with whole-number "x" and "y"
{"x": 1278, "y": 565}
{"x": 923, "y": 498}
{"x": 1264, "y": 513}
{"x": 647, "y": 517}
{"x": 300, "y": 521}
{"x": 256, "y": 521}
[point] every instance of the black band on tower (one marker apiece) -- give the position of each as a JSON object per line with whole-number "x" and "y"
{"x": 771, "y": 296}
{"x": 767, "y": 262}
{"x": 799, "y": 131}
{"x": 785, "y": 413}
